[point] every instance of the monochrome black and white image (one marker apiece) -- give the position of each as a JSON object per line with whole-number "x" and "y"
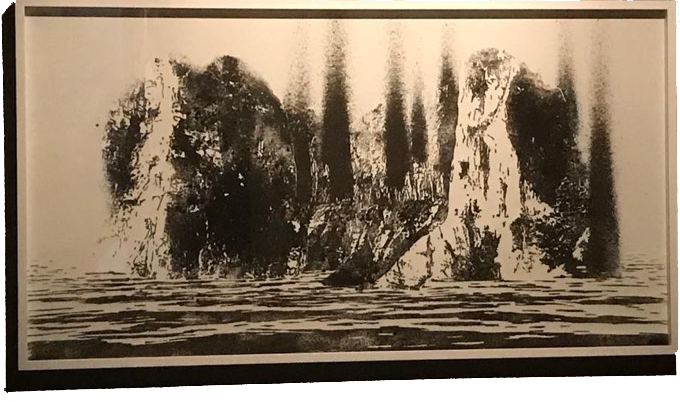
{"x": 253, "y": 186}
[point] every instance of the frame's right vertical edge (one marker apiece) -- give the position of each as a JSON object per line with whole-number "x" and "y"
{"x": 671, "y": 173}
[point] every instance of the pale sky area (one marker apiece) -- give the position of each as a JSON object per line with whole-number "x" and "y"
{"x": 77, "y": 68}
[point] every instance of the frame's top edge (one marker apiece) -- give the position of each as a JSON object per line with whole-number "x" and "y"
{"x": 340, "y": 13}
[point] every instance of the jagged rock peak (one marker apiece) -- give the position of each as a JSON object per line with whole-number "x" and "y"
{"x": 484, "y": 235}
{"x": 192, "y": 146}
{"x": 489, "y": 73}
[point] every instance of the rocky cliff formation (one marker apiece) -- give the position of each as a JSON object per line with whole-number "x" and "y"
{"x": 201, "y": 160}
{"x": 139, "y": 168}
{"x": 491, "y": 230}
{"x": 210, "y": 175}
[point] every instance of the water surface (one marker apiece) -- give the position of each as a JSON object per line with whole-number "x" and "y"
{"x": 91, "y": 315}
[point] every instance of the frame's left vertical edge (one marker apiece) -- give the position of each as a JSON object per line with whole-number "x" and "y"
{"x": 11, "y": 251}
{"x": 21, "y": 187}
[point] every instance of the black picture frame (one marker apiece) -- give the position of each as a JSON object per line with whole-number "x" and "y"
{"x": 25, "y": 380}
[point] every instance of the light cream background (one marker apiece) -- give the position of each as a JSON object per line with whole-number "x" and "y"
{"x": 77, "y": 68}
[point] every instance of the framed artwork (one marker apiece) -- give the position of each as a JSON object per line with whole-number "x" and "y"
{"x": 225, "y": 192}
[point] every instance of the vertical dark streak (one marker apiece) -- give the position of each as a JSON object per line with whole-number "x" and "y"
{"x": 603, "y": 248}
{"x": 447, "y": 113}
{"x": 300, "y": 120}
{"x": 300, "y": 123}
{"x": 565, "y": 82}
{"x": 418, "y": 125}
{"x": 335, "y": 145}
{"x": 396, "y": 137}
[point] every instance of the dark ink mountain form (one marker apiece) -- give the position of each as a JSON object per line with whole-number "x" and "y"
{"x": 211, "y": 175}
{"x": 221, "y": 166}
{"x": 519, "y": 193}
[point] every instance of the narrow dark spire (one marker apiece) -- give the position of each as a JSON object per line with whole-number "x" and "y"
{"x": 418, "y": 125}
{"x": 565, "y": 82}
{"x": 447, "y": 111}
{"x": 300, "y": 119}
{"x": 335, "y": 142}
{"x": 603, "y": 247}
{"x": 396, "y": 136}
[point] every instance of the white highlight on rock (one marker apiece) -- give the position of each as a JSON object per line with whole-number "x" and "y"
{"x": 145, "y": 231}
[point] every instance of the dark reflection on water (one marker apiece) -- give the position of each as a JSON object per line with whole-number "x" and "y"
{"x": 113, "y": 315}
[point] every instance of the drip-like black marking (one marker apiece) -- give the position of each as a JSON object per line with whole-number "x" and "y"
{"x": 335, "y": 145}
{"x": 603, "y": 248}
{"x": 396, "y": 136}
